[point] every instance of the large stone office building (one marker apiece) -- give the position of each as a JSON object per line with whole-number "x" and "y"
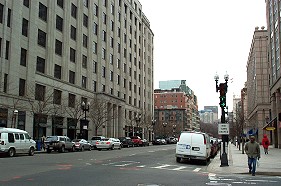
{"x": 57, "y": 54}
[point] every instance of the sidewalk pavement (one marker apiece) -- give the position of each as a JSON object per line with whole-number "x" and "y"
{"x": 270, "y": 164}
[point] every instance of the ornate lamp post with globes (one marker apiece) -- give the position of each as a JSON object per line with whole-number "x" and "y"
{"x": 84, "y": 123}
{"x": 164, "y": 126}
{"x": 222, "y": 88}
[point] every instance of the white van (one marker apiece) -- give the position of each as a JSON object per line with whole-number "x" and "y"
{"x": 193, "y": 146}
{"x": 13, "y": 141}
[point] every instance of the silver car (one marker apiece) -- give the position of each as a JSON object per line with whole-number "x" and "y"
{"x": 82, "y": 144}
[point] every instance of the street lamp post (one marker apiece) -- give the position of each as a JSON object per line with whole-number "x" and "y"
{"x": 84, "y": 125}
{"x": 138, "y": 118}
{"x": 153, "y": 122}
{"x": 174, "y": 129}
{"x": 222, "y": 88}
{"x": 14, "y": 121}
{"x": 164, "y": 126}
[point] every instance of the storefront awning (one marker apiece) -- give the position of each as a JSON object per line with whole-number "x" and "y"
{"x": 270, "y": 125}
{"x": 252, "y": 132}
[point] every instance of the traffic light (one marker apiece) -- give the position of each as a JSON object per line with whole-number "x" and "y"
{"x": 222, "y": 95}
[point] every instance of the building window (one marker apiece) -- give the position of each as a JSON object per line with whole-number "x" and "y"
{"x": 7, "y": 50}
{"x": 125, "y": 52}
{"x": 103, "y": 53}
{"x": 73, "y": 33}
{"x": 73, "y": 11}
{"x": 104, "y": 3}
{"x": 41, "y": 38}
{"x": 85, "y": 21}
{"x": 103, "y": 71}
{"x": 5, "y": 83}
{"x": 72, "y": 55}
{"x": 26, "y": 3}
{"x": 118, "y": 63}
{"x": 43, "y": 12}
{"x": 111, "y": 42}
{"x": 24, "y": 29}
{"x": 95, "y": 67}
{"x": 119, "y": 48}
{"x": 130, "y": 85}
{"x": 95, "y": 47}
{"x": 22, "y": 87}
{"x": 125, "y": 67}
{"x": 71, "y": 100}
{"x": 104, "y": 18}
{"x": 59, "y": 23}
{"x": 111, "y": 91}
{"x": 1, "y": 12}
{"x": 111, "y": 76}
{"x": 103, "y": 88}
{"x": 112, "y": 9}
{"x": 112, "y": 25}
{"x": 104, "y": 36}
{"x": 9, "y": 17}
{"x": 60, "y": 3}
{"x": 85, "y": 41}
{"x": 95, "y": 28}
{"x": 84, "y": 61}
{"x": 71, "y": 77}
{"x": 23, "y": 55}
{"x": 118, "y": 79}
{"x": 111, "y": 58}
{"x": 96, "y": 10}
{"x": 57, "y": 97}
{"x": 94, "y": 86}
{"x": 84, "y": 82}
{"x": 40, "y": 65}
{"x": 119, "y": 32}
{"x": 124, "y": 83}
{"x": 58, "y": 48}
{"x": 57, "y": 71}
{"x": 40, "y": 92}
{"x": 86, "y": 3}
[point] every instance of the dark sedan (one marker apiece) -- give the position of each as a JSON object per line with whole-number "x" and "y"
{"x": 126, "y": 142}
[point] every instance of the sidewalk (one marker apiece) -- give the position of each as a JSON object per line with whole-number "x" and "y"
{"x": 270, "y": 164}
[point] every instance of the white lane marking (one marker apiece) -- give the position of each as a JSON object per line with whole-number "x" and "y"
{"x": 109, "y": 163}
{"x": 80, "y": 159}
{"x": 141, "y": 166}
{"x": 132, "y": 154}
{"x": 88, "y": 164}
{"x": 179, "y": 168}
{"x": 161, "y": 167}
{"x": 197, "y": 170}
{"x": 261, "y": 181}
{"x": 164, "y": 149}
{"x": 212, "y": 177}
{"x": 151, "y": 151}
{"x": 126, "y": 164}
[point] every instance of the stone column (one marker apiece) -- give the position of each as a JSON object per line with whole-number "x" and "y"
{"x": 120, "y": 119}
{"x": 110, "y": 121}
{"x": 277, "y": 131}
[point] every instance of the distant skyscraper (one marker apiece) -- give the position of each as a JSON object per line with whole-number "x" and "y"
{"x": 213, "y": 108}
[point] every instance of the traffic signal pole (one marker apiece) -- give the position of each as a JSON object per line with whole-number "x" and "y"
{"x": 222, "y": 88}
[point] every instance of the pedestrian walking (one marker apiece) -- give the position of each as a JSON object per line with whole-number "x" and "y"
{"x": 265, "y": 143}
{"x": 43, "y": 138}
{"x": 252, "y": 149}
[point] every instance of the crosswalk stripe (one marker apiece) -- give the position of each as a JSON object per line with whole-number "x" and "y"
{"x": 160, "y": 167}
{"x": 197, "y": 170}
{"x": 179, "y": 168}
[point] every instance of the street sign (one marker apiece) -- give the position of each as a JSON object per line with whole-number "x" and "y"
{"x": 223, "y": 128}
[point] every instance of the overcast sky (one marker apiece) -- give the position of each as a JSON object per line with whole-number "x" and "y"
{"x": 194, "y": 39}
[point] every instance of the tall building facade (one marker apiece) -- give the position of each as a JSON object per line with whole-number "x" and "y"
{"x": 214, "y": 109}
{"x": 273, "y": 24}
{"x": 56, "y": 54}
{"x": 208, "y": 116}
{"x": 258, "y": 83}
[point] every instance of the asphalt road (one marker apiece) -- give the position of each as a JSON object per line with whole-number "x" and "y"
{"x": 139, "y": 166}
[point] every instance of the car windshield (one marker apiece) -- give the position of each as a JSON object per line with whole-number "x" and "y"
{"x": 105, "y": 139}
{"x": 96, "y": 138}
{"x": 51, "y": 138}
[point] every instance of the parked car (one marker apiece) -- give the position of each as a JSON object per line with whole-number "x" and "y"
{"x": 159, "y": 141}
{"x": 193, "y": 146}
{"x": 94, "y": 139}
{"x": 59, "y": 143}
{"x": 108, "y": 143}
{"x": 137, "y": 141}
{"x": 126, "y": 142}
{"x": 15, "y": 141}
{"x": 171, "y": 140}
{"x": 145, "y": 142}
{"x": 82, "y": 144}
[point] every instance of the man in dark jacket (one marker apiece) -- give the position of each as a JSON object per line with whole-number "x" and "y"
{"x": 252, "y": 149}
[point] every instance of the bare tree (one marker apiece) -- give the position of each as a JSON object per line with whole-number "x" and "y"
{"x": 239, "y": 124}
{"x": 101, "y": 112}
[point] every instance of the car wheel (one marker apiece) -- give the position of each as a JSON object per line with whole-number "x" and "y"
{"x": 90, "y": 148}
{"x": 62, "y": 149}
{"x": 120, "y": 147}
{"x": 49, "y": 150}
{"x": 99, "y": 149}
{"x": 178, "y": 159}
{"x": 73, "y": 149}
{"x": 11, "y": 152}
{"x": 112, "y": 147}
{"x": 31, "y": 151}
{"x": 82, "y": 148}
